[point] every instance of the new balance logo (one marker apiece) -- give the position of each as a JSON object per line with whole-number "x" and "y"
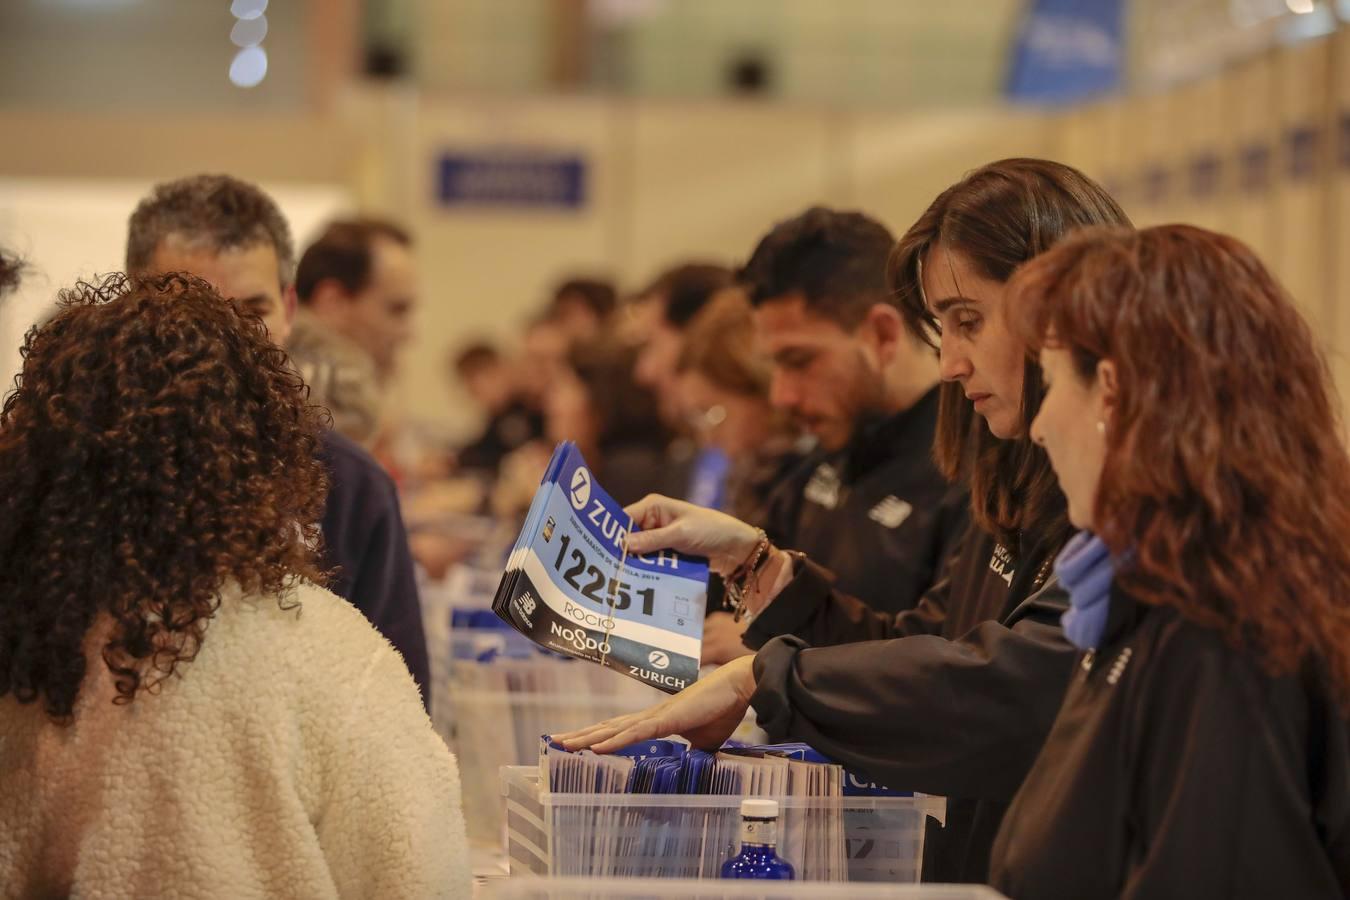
{"x": 525, "y": 603}
{"x": 890, "y": 512}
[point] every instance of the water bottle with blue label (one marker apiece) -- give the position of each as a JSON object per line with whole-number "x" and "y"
{"x": 759, "y": 857}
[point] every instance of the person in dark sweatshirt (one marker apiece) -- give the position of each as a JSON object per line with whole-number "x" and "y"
{"x": 954, "y": 697}
{"x": 868, "y": 503}
{"x": 511, "y": 422}
{"x": 1203, "y": 748}
{"x": 232, "y": 234}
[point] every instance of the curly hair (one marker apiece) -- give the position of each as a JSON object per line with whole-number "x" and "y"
{"x": 1224, "y": 472}
{"x": 158, "y": 449}
{"x": 997, "y": 217}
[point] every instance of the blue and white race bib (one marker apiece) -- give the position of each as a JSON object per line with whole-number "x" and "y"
{"x": 569, "y": 586}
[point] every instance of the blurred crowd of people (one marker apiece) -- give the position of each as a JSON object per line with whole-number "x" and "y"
{"x": 651, "y": 410}
{"x": 779, "y": 390}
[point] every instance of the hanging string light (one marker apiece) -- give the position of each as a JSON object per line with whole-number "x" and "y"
{"x": 249, "y": 66}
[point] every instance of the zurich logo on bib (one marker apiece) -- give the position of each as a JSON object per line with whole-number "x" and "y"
{"x": 580, "y": 491}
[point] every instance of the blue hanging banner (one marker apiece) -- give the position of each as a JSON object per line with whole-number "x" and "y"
{"x": 1067, "y": 51}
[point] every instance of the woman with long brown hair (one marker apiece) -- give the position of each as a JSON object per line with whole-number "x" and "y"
{"x": 1202, "y": 749}
{"x": 955, "y": 696}
{"x": 182, "y": 709}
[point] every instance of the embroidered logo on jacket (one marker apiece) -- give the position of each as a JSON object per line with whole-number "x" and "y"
{"x": 1001, "y": 563}
{"x": 890, "y": 512}
{"x": 823, "y": 488}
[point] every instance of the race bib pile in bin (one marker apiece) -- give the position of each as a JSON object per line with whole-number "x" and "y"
{"x": 570, "y": 586}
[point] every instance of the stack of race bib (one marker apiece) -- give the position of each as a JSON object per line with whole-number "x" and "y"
{"x": 570, "y": 586}
{"x": 691, "y": 839}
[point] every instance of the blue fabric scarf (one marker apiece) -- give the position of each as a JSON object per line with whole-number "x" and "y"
{"x": 1085, "y": 567}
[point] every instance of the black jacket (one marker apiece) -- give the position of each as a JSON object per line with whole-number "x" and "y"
{"x": 365, "y": 541}
{"x": 505, "y": 432}
{"x": 877, "y": 513}
{"x": 954, "y": 697}
{"x": 1178, "y": 768}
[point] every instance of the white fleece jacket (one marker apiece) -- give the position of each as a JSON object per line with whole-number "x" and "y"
{"x": 292, "y": 758}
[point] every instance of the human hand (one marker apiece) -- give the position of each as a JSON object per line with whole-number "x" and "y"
{"x": 722, "y": 639}
{"x": 669, "y": 524}
{"x": 706, "y": 713}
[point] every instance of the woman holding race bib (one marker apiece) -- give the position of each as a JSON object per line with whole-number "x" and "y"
{"x": 954, "y": 697}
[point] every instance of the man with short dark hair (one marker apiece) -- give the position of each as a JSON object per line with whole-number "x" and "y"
{"x": 870, "y": 503}
{"x": 232, "y": 234}
{"x": 582, "y": 307}
{"x": 509, "y": 422}
{"x": 357, "y": 289}
{"x": 674, "y": 298}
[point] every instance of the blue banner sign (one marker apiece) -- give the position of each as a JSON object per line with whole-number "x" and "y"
{"x": 1067, "y": 50}
{"x": 512, "y": 179}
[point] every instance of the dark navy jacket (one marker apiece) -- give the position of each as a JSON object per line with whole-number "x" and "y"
{"x": 365, "y": 542}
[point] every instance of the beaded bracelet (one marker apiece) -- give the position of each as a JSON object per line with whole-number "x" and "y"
{"x": 741, "y": 583}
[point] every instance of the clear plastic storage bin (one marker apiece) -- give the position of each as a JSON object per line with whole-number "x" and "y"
{"x": 677, "y": 889}
{"x": 499, "y": 710}
{"x": 691, "y": 835}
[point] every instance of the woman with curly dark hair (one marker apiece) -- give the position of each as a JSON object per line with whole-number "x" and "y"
{"x": 1202, "y": 748}
{"x": 182, "y": 708}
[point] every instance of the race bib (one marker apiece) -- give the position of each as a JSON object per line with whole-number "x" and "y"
{"x": 569, "y": 586}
